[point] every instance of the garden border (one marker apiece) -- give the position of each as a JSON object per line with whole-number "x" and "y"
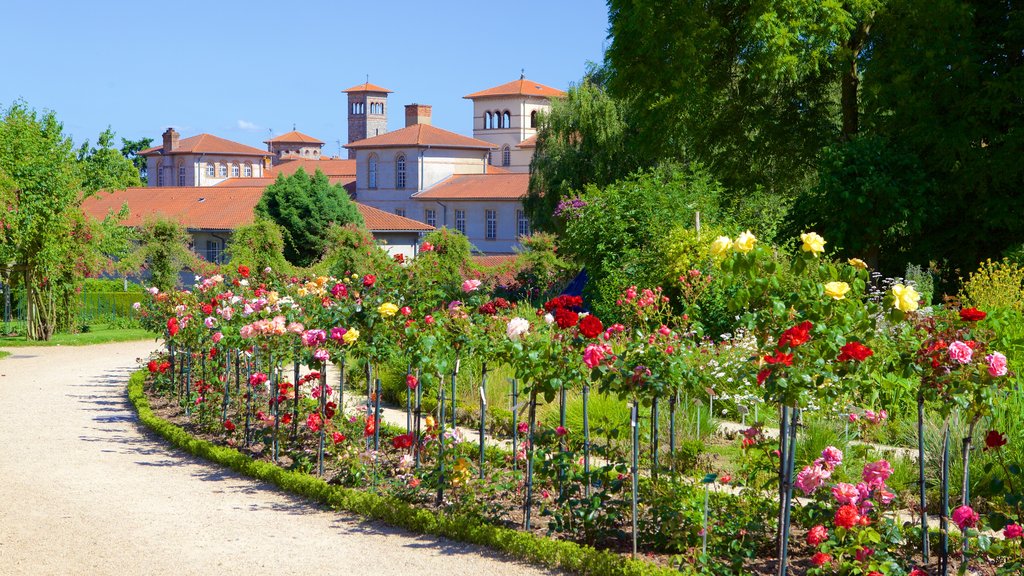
{"x": 517, "y": 545}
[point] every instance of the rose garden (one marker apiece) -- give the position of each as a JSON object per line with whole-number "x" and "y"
{"x": 841, "y": 425}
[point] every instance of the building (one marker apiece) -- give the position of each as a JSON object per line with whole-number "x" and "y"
{"x": 294, "y": 145}
{"x": 202, "y": 160}
{"x": 367, "y": 112}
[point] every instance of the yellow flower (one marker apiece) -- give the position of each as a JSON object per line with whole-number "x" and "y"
{"x": 837, "y": 290}
{"x": 905, "y": 297}
{"x": 351, "y": 336}
{"x": 272, "y": 297}
{"x": 745, "y": 242}
{"x": 813, "y": 243}
{"x": 858, "y": 263}
{"x": 321, "y": 280}
{"x": 431, "y": 422}
{"x": 721, "y": 245}
{"x": 301, "y": 291}
{"x": 387, "y": 309}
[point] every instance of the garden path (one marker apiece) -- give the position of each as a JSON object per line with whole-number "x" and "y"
{"x": 85, "y": 490}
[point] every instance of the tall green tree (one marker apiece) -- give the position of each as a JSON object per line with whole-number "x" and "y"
{"x": 130, "y": 149}
{"x": 163, "y": 251}
{"x": 105, "y": 167}
{"x": 259, "y": 245}
{"x": 305, "y": 207}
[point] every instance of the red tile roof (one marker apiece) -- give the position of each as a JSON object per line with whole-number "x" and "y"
{"x": 420, "y": 135}
{"x": 245, "y": 183}
{"x": 492, "y": 169}
{"x": 330, "y": 167}
{"x": 530, "y": 142}
{"x": 209, "y": 144}
{"x": 521, "y": 87}
{"x": 214, "y": 208}
{"x": 478, "y": 187}
{"x": 294, "y": 137}
{"x": 367, "y": 87}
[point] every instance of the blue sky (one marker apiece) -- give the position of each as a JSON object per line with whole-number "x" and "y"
{"x": 240, "y": 68}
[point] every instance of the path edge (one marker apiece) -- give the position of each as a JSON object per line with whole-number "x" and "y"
{"x": 517, "y": 545}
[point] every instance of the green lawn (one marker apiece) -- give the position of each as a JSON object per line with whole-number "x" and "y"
{"x": 4, "y": 354}
{"x": 99, "y": 334}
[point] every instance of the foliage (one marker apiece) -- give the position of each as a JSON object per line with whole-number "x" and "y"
{"x": 542, "y": 270}
{"x": 995, "y": 285}
{"x": 437, "y": 273}
{"x": 259, "y": 245}
{"x": 106, "y": 168}
{"x": 304, "y": 207}
{"x": 162, "y": 250}
{"x": 130, "y": 149}
{"x": 351, "y": 249}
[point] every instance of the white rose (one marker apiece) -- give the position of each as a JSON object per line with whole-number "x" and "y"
{"x": 517, "y": 327}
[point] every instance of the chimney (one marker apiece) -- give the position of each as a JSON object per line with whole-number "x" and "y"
{"x": 170, "y": 140}
{"x": 417, "y": 114}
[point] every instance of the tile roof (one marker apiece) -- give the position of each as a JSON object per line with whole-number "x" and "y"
{"x": 367, "y": 87}
{"x": 209, "y": 144}
{"x": 530, "y": 142}
{"x": 420, "y": 135}
{"x": 245, "y": 182}
{"x": 492, "y": 169}
{"x": 381, "y": 221}
{"x": 330, "y": 167}
{"x": 521, "y": 87}
{"x": 214, "y": 207}
{"x": 294, "y": 137}
{"x": 478, "y": 187}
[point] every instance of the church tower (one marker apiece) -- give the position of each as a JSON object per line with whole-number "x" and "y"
{"x": 367, "y": 112}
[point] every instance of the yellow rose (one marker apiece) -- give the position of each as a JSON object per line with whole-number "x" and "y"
{"x": 272, "y": 297}
{"x": 905, "y": 297}
{"x": 721, "y": 245}
{"x": 351, "y": 336}
{"x": 387, "y": 309}
{"x": 836, "y": 290}
{"x": 858, "y": 263}
{"x": 745, "y": 242}
{"x": 301, "y": 291}
{"x": 813, "y": 243}
{"x": 431, "y": 422}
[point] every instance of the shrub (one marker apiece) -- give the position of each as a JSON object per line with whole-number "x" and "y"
{"x": 259, "y": 246}
{"x": 995, "y": 285}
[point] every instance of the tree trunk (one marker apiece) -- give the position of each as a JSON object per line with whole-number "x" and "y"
{"x": 849, "y": 92}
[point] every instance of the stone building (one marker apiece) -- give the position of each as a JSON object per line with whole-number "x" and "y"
{"x": 294, "y": 145}
{"x": 367, "y": 112}
{"x": 202, "y": 160}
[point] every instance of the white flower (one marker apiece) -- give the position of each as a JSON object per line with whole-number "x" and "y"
{"x": 517, "y": 327}
{"x": 243, "y": 282}
{"x": 154, "y": 290}
{"x": 136, "y": 305}
{"x": 549, "y": 318}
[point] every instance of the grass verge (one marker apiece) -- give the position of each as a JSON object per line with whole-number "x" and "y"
{"x": 4, "y": 354}
{"x": 97, "y": 335}
{"x": 518, "y": 545}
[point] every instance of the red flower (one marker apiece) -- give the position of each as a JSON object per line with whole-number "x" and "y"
{"x": 780, "y": 357}
{"x": 153, "y": 366}
{"x": 229, "y": 425}
{"x": 972, "y": 315}
{"x": 172, "y": 326}
{"x": 402, "y": 442}
{"x": 329, "y": 409}
{"x": 796, "y": 335}
{"x": 371, "y": 426}
{"x": 314, "y": 422}
{"x": 400, "y": 258}
{"x": 994, "y": 440}
{"x": 369, "y": 280}
{"x": 561, "y": 431}
{"x": 820, "y": 559}
{"x": 164, "y": 367}
{"x": 763, "y": 375}
{"x": 286, "y": 419}
{"x": 338, "y": 437}
{"x": 566, "y": 318}
{"x": 847, "y": 516}
{"x": 854, "y": 351}
{"x": 405, "y": 311}
{"x": 817, "y": 535}
{"x": 917, "y": 572}
{"x": 243, "y": 271}
{"x": 591, "y": 326}
{"x": 207, "y": 309}
{"x": 412, "y": 381}
{"x": 725, "y": 478}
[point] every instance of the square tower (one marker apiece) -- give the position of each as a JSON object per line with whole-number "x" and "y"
{"x": 367, "y": 112}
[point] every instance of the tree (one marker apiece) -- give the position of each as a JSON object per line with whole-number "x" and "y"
{"x": 305, "y": 207}
{"x": 162, "y": 249}
{"x": 105, "y": 168}
{"x": 583, "y": 140}
{"x": 130, "y": 149}
{"x": 259, "y": 245}
{"x": 351, "y": 249}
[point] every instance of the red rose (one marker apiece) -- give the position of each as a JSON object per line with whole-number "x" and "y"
{"x": 243, "y": 271}
{"x": 817, "y": 535}
{"x": 847, "y": 516}
{"x": 153, "y": 366}
{"x": 917, "y": 572}
{"x": 994, "y": 440}
{"x": 405, "y": 311}
{"x": 207, "y": 309}
{"x": 566, "y": 318}
{"x": 402, "y": 442}
{"x": 591, "y": 326}
{"x": 854, "y": 351}
{"x": 371, "y": 426}
{"x": 400, "y": 258}
{"x": 780, "y": 357}
{"x": 763, "y": 375}
{"x": 412, "y": 381}
{"x": 338, "y": 437}
{"x": 229, "y": 425}
{"x": 972, "y": 315}
{"x": 796, "y": 335}
{"x": 172, "y": 326}
{"x": 369, "y": 280}
{"x": 820, "y": 559}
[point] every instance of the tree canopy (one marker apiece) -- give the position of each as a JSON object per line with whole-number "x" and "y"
{"x": 106, "y": 168}
{"x": 305, "y": 207}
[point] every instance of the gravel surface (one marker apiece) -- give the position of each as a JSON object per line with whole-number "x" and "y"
{"x": 84, "y": 489}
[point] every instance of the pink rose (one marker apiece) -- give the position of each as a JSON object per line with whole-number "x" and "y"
{"x": 811, "y": 478}
{"x": 817, "y": 535}
{"x": 831, "y": 457}
{"x": 846, "y": 493}
{"x": 1012, "y": 531}
{"x": 470, "y": 285}
{"x": 996, "y": 364}
{"x": 960, "y": 352}
{"x": 217, "y": 336}
{"x": 876, "y": 473}
{"x": 593, "y": 355}
{"x": 965, "y": 517}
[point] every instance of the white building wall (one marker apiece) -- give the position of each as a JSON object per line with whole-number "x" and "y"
{"x": 507, "y": 238}
{"x": 422, "y": 172}
{"x": 195, "y": 168}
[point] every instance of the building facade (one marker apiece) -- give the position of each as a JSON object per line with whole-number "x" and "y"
{"x": 202, "y": 160}
{"x": 294, "y": 145}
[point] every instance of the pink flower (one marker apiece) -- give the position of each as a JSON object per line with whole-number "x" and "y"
{"x": 321, "y": 355}
{"x": 817, "y": 535}
{"x": 884, "y": 496}
{"x": 876, "y": 473}
{"x": 209, "y": 321}
{"x": 1012, "y": 531}
{"x": 337, "y": 333}
{"x": 593, "y": 355}
{"x": 470, "y": 285}
{"x": 811, "y": 478}
{"x": 996, "y": 364}
{"x": 960, "y": 352}
{"x": 405, "y": 311}
{"x": 846, "y": 493}
{"x": 965, "y": 517}
{"x": 831, "y": 457}
{"x": 426, "y": 246}
{"x": 853, "y": 418}
{"x": 561, "y": 431}
{"x": 523, "y": 427}
{"x": 217, "y": 336}
{"x": 313, "y": 337}
{"x": 864, "y": 553}
{"x": 314, "y": 422}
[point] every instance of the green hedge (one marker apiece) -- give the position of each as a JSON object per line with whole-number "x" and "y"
{"x": 520, "y": 545}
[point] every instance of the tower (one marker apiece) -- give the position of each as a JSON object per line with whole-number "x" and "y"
{"x": 367, "y": 112}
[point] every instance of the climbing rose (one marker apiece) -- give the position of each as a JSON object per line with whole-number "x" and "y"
{"x": 817, "y": 535}
{"x": 590, "y": 326}
{"x": 1012, "y": 531}
{"x": 321, "y": 355}
{"x": 972, "y": 315}
{"x": 854, "y": 351}
{"x": 820, "y": 559}
{"x": 965, "y": 517}
{"x": 412, "y": 381}
{"x": 172, "y": 326}
{"x": 847, "y": 516}
{"x": 996, "y": 364}
{"x": 994, "y": 440}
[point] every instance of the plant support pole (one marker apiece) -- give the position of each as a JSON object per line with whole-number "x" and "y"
{"x": 634, "y": 469}
{"x": 920, "y": 478}
{"x": 483, "y": 415}
{"x": 586, "y": 439}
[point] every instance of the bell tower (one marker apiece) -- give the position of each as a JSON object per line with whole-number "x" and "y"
{"x": 367, "y": 112}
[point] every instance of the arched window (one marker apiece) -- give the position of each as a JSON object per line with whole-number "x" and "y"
{"x": 400, "y": 171}
{"x": 248, "y": 170}
{"x": 506, "y": 155}
{"x": 487, "y": 120}
{"x": 223, "y": 170}
{"x": 234, "y": 170}
{"x": 372, "y": 171}
{"x": 497, "y": 119}
{"x": 533, "y": 119}
{"x": 506, "y": 120}
{"x": 181, "y": 175}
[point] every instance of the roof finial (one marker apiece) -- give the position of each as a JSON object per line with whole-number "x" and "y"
{"x": 293, "y": 126}
{"x": 522, "y": 73}
{"x": 367, "y": 78}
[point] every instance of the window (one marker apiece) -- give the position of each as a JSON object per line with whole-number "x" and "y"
{"x": 506, "y": 120}
{"x": 181, "y": 175}
{"x": 248, "y": 170}
{"x": 223, "y": 170}
{"x": 522, "y": 224}
{"x": 490, "y": 158}
{"x": 506, "y": 155}
{"x": 400, "y": 212}
{"x": 214, "y": 251}
{"x": 491, "y": 218}
{"x": 430, "y": 217}
{"x": 211, "y": 170}
{"x": 487, "y": 121}
{"x": 497, "y": 120}
{"x": 460, "y": 221}
{"x": 372, "y": 171}
{"x": 533, "y": 119}
{"x": 160, "y": 176}
{"x": 234, "y": 170}
{"x": 400, "y": 171}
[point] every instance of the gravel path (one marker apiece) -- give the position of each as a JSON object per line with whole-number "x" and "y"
{"x": 85, "y": 490}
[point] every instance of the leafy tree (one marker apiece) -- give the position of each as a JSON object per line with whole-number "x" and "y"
{"x": 351, "y": 249}
{"x": 259, "y": 245}
{"x": 105, "y": 168}
{"x": 130, "y": 149}
{"x": 305, "y": 207}
{"x": 163, "y": 249}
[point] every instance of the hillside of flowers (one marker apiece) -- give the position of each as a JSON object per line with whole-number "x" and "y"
{"x": 841, "y": 426}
